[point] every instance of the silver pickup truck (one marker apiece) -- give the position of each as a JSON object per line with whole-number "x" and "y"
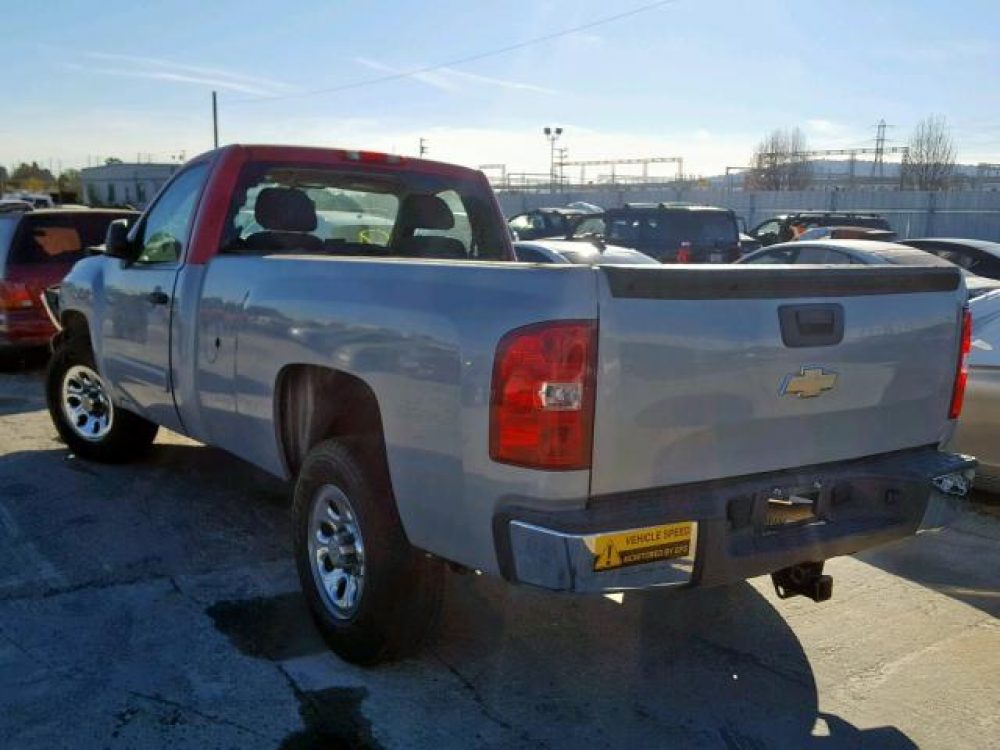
{"x": 439, "y": 404}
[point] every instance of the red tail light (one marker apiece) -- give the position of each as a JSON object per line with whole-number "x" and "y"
{"x": 962, "y": 371}
{"x": 684, "y": 253}
{"x": 542, "y": 400}
{"x": 15, "y": 296}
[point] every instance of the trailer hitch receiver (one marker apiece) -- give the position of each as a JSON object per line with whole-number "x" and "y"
{"x": 804, "y": 579}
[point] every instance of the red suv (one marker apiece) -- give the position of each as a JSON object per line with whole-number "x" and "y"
{"x": 37, "y": 249}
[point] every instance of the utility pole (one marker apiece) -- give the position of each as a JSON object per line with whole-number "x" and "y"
{"x": 423, "y": 147}
{"x": 552, "y": 134}
{"x": 878, "y": 167}
{"x": 561, "y": 154}
{"x": 215, "y": 120}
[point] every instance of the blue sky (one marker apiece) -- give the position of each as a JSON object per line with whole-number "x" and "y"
{"x": 704, "y": 80}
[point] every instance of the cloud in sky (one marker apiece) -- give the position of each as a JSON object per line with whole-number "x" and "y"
{"x": 450, "y": 79}
{"x": 156, "y": 69}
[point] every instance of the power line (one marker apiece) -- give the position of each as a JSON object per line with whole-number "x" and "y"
{"x": 461, "y": 60}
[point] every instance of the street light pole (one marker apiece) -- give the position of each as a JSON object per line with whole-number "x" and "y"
{"x": 552, "y": 134}
{"x": 215, "y": 121}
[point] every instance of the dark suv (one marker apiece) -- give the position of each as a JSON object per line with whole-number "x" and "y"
{"x": 675, "y": 232}
{"x": 783, "y": 228}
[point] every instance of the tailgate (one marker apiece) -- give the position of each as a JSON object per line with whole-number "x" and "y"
{"x": 710, "y": 373}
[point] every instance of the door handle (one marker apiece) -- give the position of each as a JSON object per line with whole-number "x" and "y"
{"x": 158, "y": 297}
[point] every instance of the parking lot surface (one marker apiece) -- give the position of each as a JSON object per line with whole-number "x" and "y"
{"x": 156, "y": 605}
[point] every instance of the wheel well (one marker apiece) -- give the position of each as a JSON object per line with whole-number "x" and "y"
{"x": 318, "y": 403}
{"x": 74, "y": 325}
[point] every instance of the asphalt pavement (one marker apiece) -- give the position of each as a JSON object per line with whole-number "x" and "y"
{"x": 155, "y": 605}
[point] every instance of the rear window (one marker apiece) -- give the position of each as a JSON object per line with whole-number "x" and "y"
{"x": 308, "y": 209}
{"x": 840, "y": 220}
{"x": 59, "y": 238}
{"x": 671, "y": 228}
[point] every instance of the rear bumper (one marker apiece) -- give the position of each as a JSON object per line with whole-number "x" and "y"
{"x": 859, "y": 504}
{"x": 24, "y": 329}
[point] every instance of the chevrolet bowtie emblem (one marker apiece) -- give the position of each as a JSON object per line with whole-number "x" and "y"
{"x": 810, "y": 382}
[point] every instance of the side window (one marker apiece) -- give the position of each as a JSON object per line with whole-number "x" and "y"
{"x": 530, "y": 255}
{"x": 822, "y": 255}
{"x": 777, "y": 257}
{"x": 520, "y": 223}
{"x": 166, "y": 228}
{"x": 767, "y": 231}
{"x": 965, "y": 259}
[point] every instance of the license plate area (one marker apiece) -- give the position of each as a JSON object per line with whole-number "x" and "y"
{"x": 784, "y": 508}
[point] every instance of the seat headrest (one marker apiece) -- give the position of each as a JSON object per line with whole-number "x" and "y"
{"x": 285, "y": 210}
{"x": 425, "y": 212}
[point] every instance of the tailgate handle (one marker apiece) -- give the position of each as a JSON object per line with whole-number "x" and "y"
{"x": 811, "y": 325}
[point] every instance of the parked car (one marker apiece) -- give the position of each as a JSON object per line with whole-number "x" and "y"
{"x": 748, "y": 244}
{"x": 786, "y": 227}
{"x": 861, "y": 252}
{"x": 14, "y": 205}
{"x": 846, "y": 233}
{"x": 594, "y": 253}
{"x": 675, "y": 232}
{"x": 978, "y": 431}
{"x": 545, "y": 223}
{"x": 37, "y": 200}
{"x": 569, "y": 427}
{"x": 979, "y": 256}
{"x": 37, "y": 248}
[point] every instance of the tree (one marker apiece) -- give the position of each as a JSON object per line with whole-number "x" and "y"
{"x": 779, "y": 164}
{"x": 113, "y": 160}
{"x": 69, "y": 184}
{"x": 32, "y": 178}
{"x": 930, "y": 161}
{"x": 4, "y": 177}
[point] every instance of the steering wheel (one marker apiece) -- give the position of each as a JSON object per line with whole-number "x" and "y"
{"x": 373, "y": 237}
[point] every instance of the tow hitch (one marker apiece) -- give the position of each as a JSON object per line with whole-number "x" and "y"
{"x": 805, "y": 579}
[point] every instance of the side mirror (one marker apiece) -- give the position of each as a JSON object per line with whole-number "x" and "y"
{"x": 116, "y": 242}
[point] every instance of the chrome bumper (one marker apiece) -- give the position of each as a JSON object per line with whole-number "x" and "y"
{"x": 565, "y": 562}
{"x": 859, "y": 504}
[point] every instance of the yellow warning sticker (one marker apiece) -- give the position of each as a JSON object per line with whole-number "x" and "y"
{"x": 638, "y": 546}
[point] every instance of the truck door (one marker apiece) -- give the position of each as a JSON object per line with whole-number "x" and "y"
{"x": 139, "y": 299}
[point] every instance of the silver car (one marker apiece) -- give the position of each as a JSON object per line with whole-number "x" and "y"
{"x": 861, "y": 252}
{"x": 978, "y": 432}
{"x": 586, "y": 253}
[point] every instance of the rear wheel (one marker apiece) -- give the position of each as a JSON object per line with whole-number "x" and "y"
{"x": 373, "y": 595}
{"x": 80, "y": 405}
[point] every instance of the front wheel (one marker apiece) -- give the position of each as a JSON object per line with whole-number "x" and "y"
{"x": 373, "y": 596}
{"x": 83, "y": 413}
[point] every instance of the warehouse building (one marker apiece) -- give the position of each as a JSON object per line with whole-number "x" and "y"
{"x": 124, "y": 184}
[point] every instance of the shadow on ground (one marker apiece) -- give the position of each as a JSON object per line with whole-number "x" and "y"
{"x": 710, "y": 668}
{"x": 511, "y": 667}
{"x": 951, "y": 560}
{"x": 67, "y": 523}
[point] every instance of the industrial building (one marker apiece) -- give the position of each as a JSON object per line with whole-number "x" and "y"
{"x": 124, "y": 184}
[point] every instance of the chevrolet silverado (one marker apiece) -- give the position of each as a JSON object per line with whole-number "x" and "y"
{"x": 438, "y": 404}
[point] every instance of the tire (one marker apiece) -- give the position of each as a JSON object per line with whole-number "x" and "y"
{"x": 397, "y": 589}
{"x": 113, "y": 436}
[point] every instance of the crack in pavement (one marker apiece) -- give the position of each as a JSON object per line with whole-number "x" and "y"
{"x": 734, "y": 653}
{"x": 211, "y": 718}
{"x": 481, "y": 702}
